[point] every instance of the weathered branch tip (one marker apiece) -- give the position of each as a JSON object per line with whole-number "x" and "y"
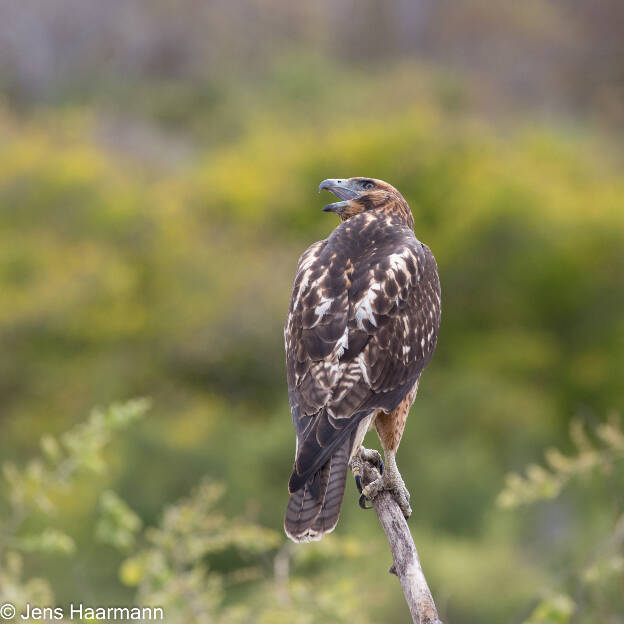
{"x": 406, "y": 561}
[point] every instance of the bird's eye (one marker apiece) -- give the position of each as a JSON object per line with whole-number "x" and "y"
{"x": 368, "y": 185}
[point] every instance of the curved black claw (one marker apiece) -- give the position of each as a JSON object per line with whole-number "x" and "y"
{"x": 362, "y": 502}
{"x": 358, "y": 483}
{"x": 381, "y": 466}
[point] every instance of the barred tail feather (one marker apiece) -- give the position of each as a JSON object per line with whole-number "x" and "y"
{"x": 328, "y": 516}
{"x": 309, "y": 517}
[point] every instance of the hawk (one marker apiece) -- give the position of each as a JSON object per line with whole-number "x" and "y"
{"x": 362, "y": 325}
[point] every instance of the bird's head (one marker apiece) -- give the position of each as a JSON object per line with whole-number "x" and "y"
{"x": 360, "y": 195}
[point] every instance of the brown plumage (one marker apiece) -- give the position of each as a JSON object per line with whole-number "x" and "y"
{"x": 362, "y": 325}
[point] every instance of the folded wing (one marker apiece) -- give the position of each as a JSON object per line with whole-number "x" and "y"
{"x": 362, "y": 325}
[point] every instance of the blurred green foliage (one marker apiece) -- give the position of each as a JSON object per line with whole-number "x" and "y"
{"x": 174, "y": 566}
{"x": 34, "y": 494}
{"x": 600, "y": 579}
{"x": 148, "y": 250}
{"x": 544, "y": 483}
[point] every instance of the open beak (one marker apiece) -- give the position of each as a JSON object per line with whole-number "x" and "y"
{"x": 341, "y": 189}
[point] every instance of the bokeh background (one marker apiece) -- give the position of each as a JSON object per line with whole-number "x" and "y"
{"x": 158, "y": 172}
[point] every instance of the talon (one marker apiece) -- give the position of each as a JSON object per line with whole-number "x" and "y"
{"x": 374, "y": 457}
{"x": 358, "y": 483}
{"x": 404, "y": 505}
{"x": 362, "y": 502}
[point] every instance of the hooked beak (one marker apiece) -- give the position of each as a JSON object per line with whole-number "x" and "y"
{"x": 341, "y": 189}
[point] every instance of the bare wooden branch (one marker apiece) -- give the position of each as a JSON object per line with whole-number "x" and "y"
{"x": 406, "y": 561}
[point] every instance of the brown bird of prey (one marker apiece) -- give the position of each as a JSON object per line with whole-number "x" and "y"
{"x": 362, "y": 325}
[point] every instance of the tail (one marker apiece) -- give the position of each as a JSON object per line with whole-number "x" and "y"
{"x": 313, "y": 510}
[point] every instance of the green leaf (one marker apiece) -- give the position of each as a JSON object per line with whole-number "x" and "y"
{"x": 555, "y": 609}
